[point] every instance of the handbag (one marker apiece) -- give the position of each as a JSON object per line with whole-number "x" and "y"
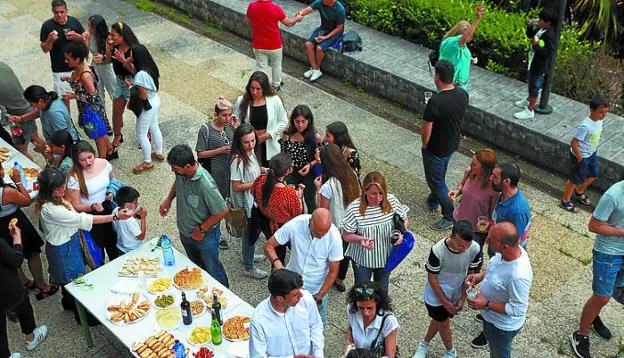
{"x": 379, "y": 350}
{"x": 136, "y": 104}
{"x": 93, "y": 123}
{"x": 235, "y": 221}
{"x": 400, "y": 252}
{"x": 93, "y": 254}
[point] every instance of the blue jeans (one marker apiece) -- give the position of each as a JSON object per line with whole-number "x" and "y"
{"x": 322, "y": 308}
{"x": 205, "y": 254}
{"x": 363, "y": 274}
{"x": 605, "y": 273}
{"x": 435, "y": 174}
{"x": 499, "y": 340}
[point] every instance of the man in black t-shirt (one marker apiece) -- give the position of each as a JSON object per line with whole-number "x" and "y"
{"x": 57, "y": 32}
{"x": 440, "y": 139}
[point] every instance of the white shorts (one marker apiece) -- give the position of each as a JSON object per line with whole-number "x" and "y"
{"x": 61, "y": 87}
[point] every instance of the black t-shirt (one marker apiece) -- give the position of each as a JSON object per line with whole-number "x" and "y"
{"x": 57, "y": 55}
{"x": 446, "y": 110}
{"x": 119, "y": 69}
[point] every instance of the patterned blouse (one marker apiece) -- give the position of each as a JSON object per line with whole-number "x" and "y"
{"x": 84, "y": 99}
{"x": 283, "y": 204}
{"x": 299, "y": 152}
{"x": 375, "y": 225}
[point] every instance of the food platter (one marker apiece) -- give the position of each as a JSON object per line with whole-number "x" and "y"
{"x": 206, "y": 294}
{"x": 29, "y": 173}
{"x": 202, "y": 352}
{"x": 188, "y": 279}
{"x": 159, "y": 285}
{"x": 236, "y": 328}
{"x": 127, "y": 309}
{"x": 168, "y": 318}
{"x": 158, "y": 345}
{"x": 158, "y": 298}
{"x": 197, "y": 308}
{"x": 199, "y": 336}
{"x": 132, "y": 266}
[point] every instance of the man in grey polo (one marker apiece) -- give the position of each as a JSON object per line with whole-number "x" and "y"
{"x": 200, "y": 208}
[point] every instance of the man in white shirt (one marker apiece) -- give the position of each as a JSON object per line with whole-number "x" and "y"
{"x": 287, "y": 323}
{"x": 504, "y": 292}
{"x": 316, "y": 251}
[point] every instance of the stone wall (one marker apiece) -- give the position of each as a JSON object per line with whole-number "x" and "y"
{"x": 397, "y": 70}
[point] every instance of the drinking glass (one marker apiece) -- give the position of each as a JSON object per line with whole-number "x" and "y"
{"x": 428, "y": 96}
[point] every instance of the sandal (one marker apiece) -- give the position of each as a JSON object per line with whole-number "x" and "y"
{"x": 568, "y": 206}
{"x": 142, "y": 168}
{"x": 41, "y": 294}
{"x": 112, "y": 154}
{"x": 158, "y": 157}
{"x": 582, "y": 198}
{"x": 117, "y": 140}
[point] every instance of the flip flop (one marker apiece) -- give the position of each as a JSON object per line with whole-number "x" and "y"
{"x": 568, "y": 206}
{"x": 582, "y": 198}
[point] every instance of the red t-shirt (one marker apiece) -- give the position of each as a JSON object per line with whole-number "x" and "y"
{"x": 265, "y": 32}
{"x": 283, "y": 204}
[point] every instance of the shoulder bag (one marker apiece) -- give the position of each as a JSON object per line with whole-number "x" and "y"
{"x": 236, "y": 220}
{"x": 93, "y": 254}
{"x": 379, "y": 349}
{"x": 205, "y": 162}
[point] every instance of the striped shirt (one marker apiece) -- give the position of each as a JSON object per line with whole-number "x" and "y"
{"x": 375, "y": 225}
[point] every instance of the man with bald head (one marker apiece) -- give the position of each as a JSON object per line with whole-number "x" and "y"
{"x": 504, "y": 292}
{"x": 316, "y": 252}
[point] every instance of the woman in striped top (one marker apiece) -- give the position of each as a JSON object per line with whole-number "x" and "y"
{"x": 368, "y": 225}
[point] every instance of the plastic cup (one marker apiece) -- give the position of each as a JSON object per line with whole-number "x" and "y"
{"x": 472, "y": 292}
{"x": 428, "y": 96}
{"x": 142, "y": 280}
{"x": 482, "y": 223}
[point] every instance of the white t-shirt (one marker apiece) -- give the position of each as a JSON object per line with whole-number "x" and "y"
{"x": 332, "y": 191}
{"x": 310, "y": 257}
{"x": 363, "y": 337}
{"x": 127, "y": 232}
{"x": 508, "y": 282}
{"x": 96, "y": 186}
{"x": 244, "y": 199}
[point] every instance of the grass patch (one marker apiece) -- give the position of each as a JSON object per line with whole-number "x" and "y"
{"x": 584, "y": 262}
{"x": 145, "y": 5}
{"x": 561, "y": 349}
{"x": 122, "y": 13}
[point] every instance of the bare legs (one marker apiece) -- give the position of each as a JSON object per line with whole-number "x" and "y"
{"x": 580, "y": 188}
{"x": 315, "y": 55}
{"x": 119, "y": 104}
{"x": 444, "y": 328}
{"x": 592, "y": 308}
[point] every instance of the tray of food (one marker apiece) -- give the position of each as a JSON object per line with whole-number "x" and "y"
{"x": 164, "y": 300}
{"x": 197, "y": 308}
{"x": 199, "y": 336}
{"x": 126, "y": 309}
{"x": 202, "y": 352}
{"x": 168, "y": 318}
{"x": 188, "y": 279}
{"x": 159, "y": 285}
{"x": 158, "y": 345}
{"x": 132, "y": 266}
{"x": 206, "y": 294}
{"x": 236, "y": 328}
{"x": 29, "y": 173}
{"x": 5, "y": 154}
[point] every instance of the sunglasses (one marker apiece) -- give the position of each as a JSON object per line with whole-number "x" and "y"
{"x": 225, "y": 140}
{"x": 364, "y": 293}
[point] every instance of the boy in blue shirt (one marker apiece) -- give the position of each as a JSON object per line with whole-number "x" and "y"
{"x": 583, "y": 168}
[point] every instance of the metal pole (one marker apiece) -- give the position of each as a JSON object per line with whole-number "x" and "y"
{"x": 543, "y": 107}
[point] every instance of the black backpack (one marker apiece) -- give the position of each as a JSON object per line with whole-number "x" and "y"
{"x": 351, "y": 42}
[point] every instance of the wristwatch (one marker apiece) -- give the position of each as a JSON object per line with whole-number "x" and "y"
{"x": 487, "y": 306}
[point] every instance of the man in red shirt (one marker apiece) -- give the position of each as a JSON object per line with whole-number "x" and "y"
{"x": 266, "y": 40}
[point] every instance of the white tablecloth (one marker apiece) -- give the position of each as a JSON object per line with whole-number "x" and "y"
{"x": 104, "y": 278}
{"x": 17, "y": 156}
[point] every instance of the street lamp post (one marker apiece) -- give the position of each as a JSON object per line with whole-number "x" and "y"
{"x": 544, "y": 107}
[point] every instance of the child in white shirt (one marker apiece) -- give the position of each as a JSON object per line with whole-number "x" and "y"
{"x": 131, "y": 232}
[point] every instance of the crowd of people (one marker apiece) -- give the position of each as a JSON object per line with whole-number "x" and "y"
{"x": 301, "y": 188}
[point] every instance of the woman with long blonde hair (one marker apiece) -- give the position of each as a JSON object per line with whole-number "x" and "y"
{"x": 368, "y": 226}
{"x": 453, "y": 48}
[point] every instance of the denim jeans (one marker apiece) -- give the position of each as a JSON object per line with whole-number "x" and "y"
{"x": 499, "y": 340}
{"x": 322, "y": 308}
{"x": 435, "y": 174}
{"x": 205, "y": 254}
{"x": 363, "y": 274}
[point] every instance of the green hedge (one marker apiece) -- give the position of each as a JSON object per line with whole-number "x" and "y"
{"x": 500, "y": 42}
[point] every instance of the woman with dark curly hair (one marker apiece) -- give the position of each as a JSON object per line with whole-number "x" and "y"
{"x": 371, "y": 322}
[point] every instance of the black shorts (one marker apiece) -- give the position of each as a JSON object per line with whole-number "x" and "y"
{"x": 438, "y": 313}
{"x": 535, "y": 83}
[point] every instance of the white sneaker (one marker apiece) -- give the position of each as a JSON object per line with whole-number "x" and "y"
{"x": 524, "y": 114}
{"x": 259, "y": 257}
{"x": 521, "y": 103}
{"x": 308, "y": 73}
{"x": 40, "y": 333}
{"x": 315, "y": 76}
{"x": 255, "y": 273}
{"x": 422, "y": 350}
{"x": 450, "y": 354}
{"x": 15, "y": 355}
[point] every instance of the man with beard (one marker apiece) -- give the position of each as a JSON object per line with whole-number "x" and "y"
{"x": 511, "y": 206}
{"x": 200, "y": 208}
{"x": 55, "y": 34}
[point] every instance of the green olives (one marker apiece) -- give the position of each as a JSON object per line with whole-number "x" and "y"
{"x": 164, "y": 301}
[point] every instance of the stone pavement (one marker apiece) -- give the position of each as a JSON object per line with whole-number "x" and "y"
{"x": 396, "y": 69}
{"x": 195, "y": 70}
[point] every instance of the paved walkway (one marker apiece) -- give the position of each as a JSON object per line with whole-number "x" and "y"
{"x": 195, "y": 71}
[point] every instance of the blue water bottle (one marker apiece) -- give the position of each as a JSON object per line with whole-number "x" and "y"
{"x": 178, "y": 348}
{"x": 167, "y": 247}
{"x": 18, "y": 167}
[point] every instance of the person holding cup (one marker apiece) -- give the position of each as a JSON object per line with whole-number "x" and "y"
{"x": 504, "y": 292}
{"x": 474, "y": 193}
{"x": 55, "y": 34}
{"x": 450, "y": 260}
{"x": 97, "y": 38}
